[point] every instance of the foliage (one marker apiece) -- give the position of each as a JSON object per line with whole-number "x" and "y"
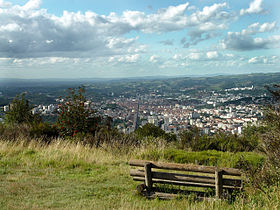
{"x": 154, "y": 131}
{"x": 271, "y": 139}
{"x": 43, "y": 130}
{"x": 74, "y": 116}
{"x": 20, "y": 112}
{"x": 220, "y": 141}
{"x": 188, "y": 138}
{"x": 269, "y": 174}
{"x": 210, "y": 157}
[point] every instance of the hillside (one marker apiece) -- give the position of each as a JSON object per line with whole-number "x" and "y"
{"x": 65, "y": 175}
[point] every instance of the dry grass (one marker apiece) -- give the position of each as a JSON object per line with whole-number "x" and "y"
{"x": 67, "y": 175}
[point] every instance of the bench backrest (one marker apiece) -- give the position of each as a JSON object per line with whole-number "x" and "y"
{"x": 201, "y": 176}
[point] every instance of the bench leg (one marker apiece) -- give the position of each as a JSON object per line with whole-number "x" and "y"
{"x": 219, "y": 183}
{"x": 148, "y": 177}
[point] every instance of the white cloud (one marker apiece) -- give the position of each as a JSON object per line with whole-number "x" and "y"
{"x": 36, "y": 33}
{"x": 128, "y": 58}
{"x": 32, "y": 4}
{"x": 239, "y": 42}
{"x": 243, "y": 41}
{"x": 195, "y": 56}
{"x": 154, "y": 59}
{"x": 26, "y": 31}
{"x": 212, "y": 54}
{"x": 259, "y": 28}
{"x": 5, "y": 4}
{"x": 177, "y": 56}
{"x": 11, "y": 27}
{"x": 119, "y": 42}
{"x": 264, "y": 60}
{"x": 255, "y": 7}
{"x": 204, "y": 57}
{"x": 209, "y": 12}
{"x": 206, "y": 23}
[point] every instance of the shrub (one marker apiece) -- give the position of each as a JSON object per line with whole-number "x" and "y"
{"x": 20, "y": 112}
{"x": 44, "y": 130}
{"x": 154, "y": 131}
{"x": 210, "y": 157}
{"x": 74, "y": 116}
{"x": 262, "y": 178}
{"x": 221, "y": 141}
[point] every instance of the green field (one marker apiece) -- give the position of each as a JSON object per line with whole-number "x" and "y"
{"x": 65, "y": 175}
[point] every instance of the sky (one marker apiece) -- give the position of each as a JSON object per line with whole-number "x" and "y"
{"x": 132, "y": 38}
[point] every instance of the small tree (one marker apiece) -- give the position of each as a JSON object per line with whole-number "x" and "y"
{"x": 268, "y": 174}
{"x": 74, "y": 116}
{"x": 154, "y": 131}
{"x": 271, "y": 139}
{"x": 20, "y": 112}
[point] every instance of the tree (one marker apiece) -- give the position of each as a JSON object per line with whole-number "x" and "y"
{"x": 271, "y": 139}
{"x": 188, "y": 138}
{"x": 20, "y": 112}
{"x": 75, "y": 116}
{"x": 154, "y": 131}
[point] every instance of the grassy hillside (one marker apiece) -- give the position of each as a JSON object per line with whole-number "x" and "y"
{"x": 65, "y": 175}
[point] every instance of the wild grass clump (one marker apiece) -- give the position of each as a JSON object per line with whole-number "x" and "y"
{"x": 210, "y": 157}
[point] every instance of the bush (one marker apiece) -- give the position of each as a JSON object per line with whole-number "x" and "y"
{"x": 74, "y": 116}
{"x": 262, "y": 178}
{"x": 20, "y": 112}
{"x": 44, "y": 130}
{"x": 154, "y": 131}
{"x": 210, "y": 157}
{"x": 220, "y": 141}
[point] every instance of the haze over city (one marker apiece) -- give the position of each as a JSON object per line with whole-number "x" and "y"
{"x": 109, "y": 39}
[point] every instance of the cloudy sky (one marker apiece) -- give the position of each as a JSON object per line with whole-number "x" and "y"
{"x": 130, "y": 38}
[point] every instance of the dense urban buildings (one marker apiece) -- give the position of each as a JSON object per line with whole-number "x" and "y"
{"x": 228, "y": 110}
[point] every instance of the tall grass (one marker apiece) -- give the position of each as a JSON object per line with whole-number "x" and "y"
{"x": 67, "y": 175}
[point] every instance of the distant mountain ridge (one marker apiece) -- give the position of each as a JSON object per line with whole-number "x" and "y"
{"x": 60, "y": 81}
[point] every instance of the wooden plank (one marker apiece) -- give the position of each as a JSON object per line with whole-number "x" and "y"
{"x": 219, "y": 183}
{"x": 148, "y": 176}
{"x": 169, "y": 196}
{"x": 175, "y": 176}
{"x": 162, "y": 181}
{"x": 185, "y": 167}
{"x": 232, "y": 182}
{"x": 185, "y": 177}
{"x": 190, "y": 184}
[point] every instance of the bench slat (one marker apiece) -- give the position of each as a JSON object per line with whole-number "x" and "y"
{"x": 186, "y": 167}
{"x": 189, "y": 184}
{"x": 185, "y": 177}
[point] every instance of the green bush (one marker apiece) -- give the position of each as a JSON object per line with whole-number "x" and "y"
{"x": 221, "y": 141}
{"x": 44, "y": 130}
{"x": 150, "y": 130}
{"x": 74, "y": 116}
{"x": 210, "y": 157}
{"x": 20, "y": 112}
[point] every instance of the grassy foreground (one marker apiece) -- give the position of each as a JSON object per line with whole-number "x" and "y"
{"x": 65, "y": 175}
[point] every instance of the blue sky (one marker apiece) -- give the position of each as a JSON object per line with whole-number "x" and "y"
{"x": 131, "y": 38}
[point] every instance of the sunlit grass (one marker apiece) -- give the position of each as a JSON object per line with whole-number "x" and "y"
{"x": 67, "y": 175}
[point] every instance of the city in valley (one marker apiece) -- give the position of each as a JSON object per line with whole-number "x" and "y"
{"x": 211, "y": 106}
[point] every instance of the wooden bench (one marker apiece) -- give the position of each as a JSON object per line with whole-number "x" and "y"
{"x": 194, "y": 176}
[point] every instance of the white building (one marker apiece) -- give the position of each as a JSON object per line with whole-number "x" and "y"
{"x": 6, "y": 108}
